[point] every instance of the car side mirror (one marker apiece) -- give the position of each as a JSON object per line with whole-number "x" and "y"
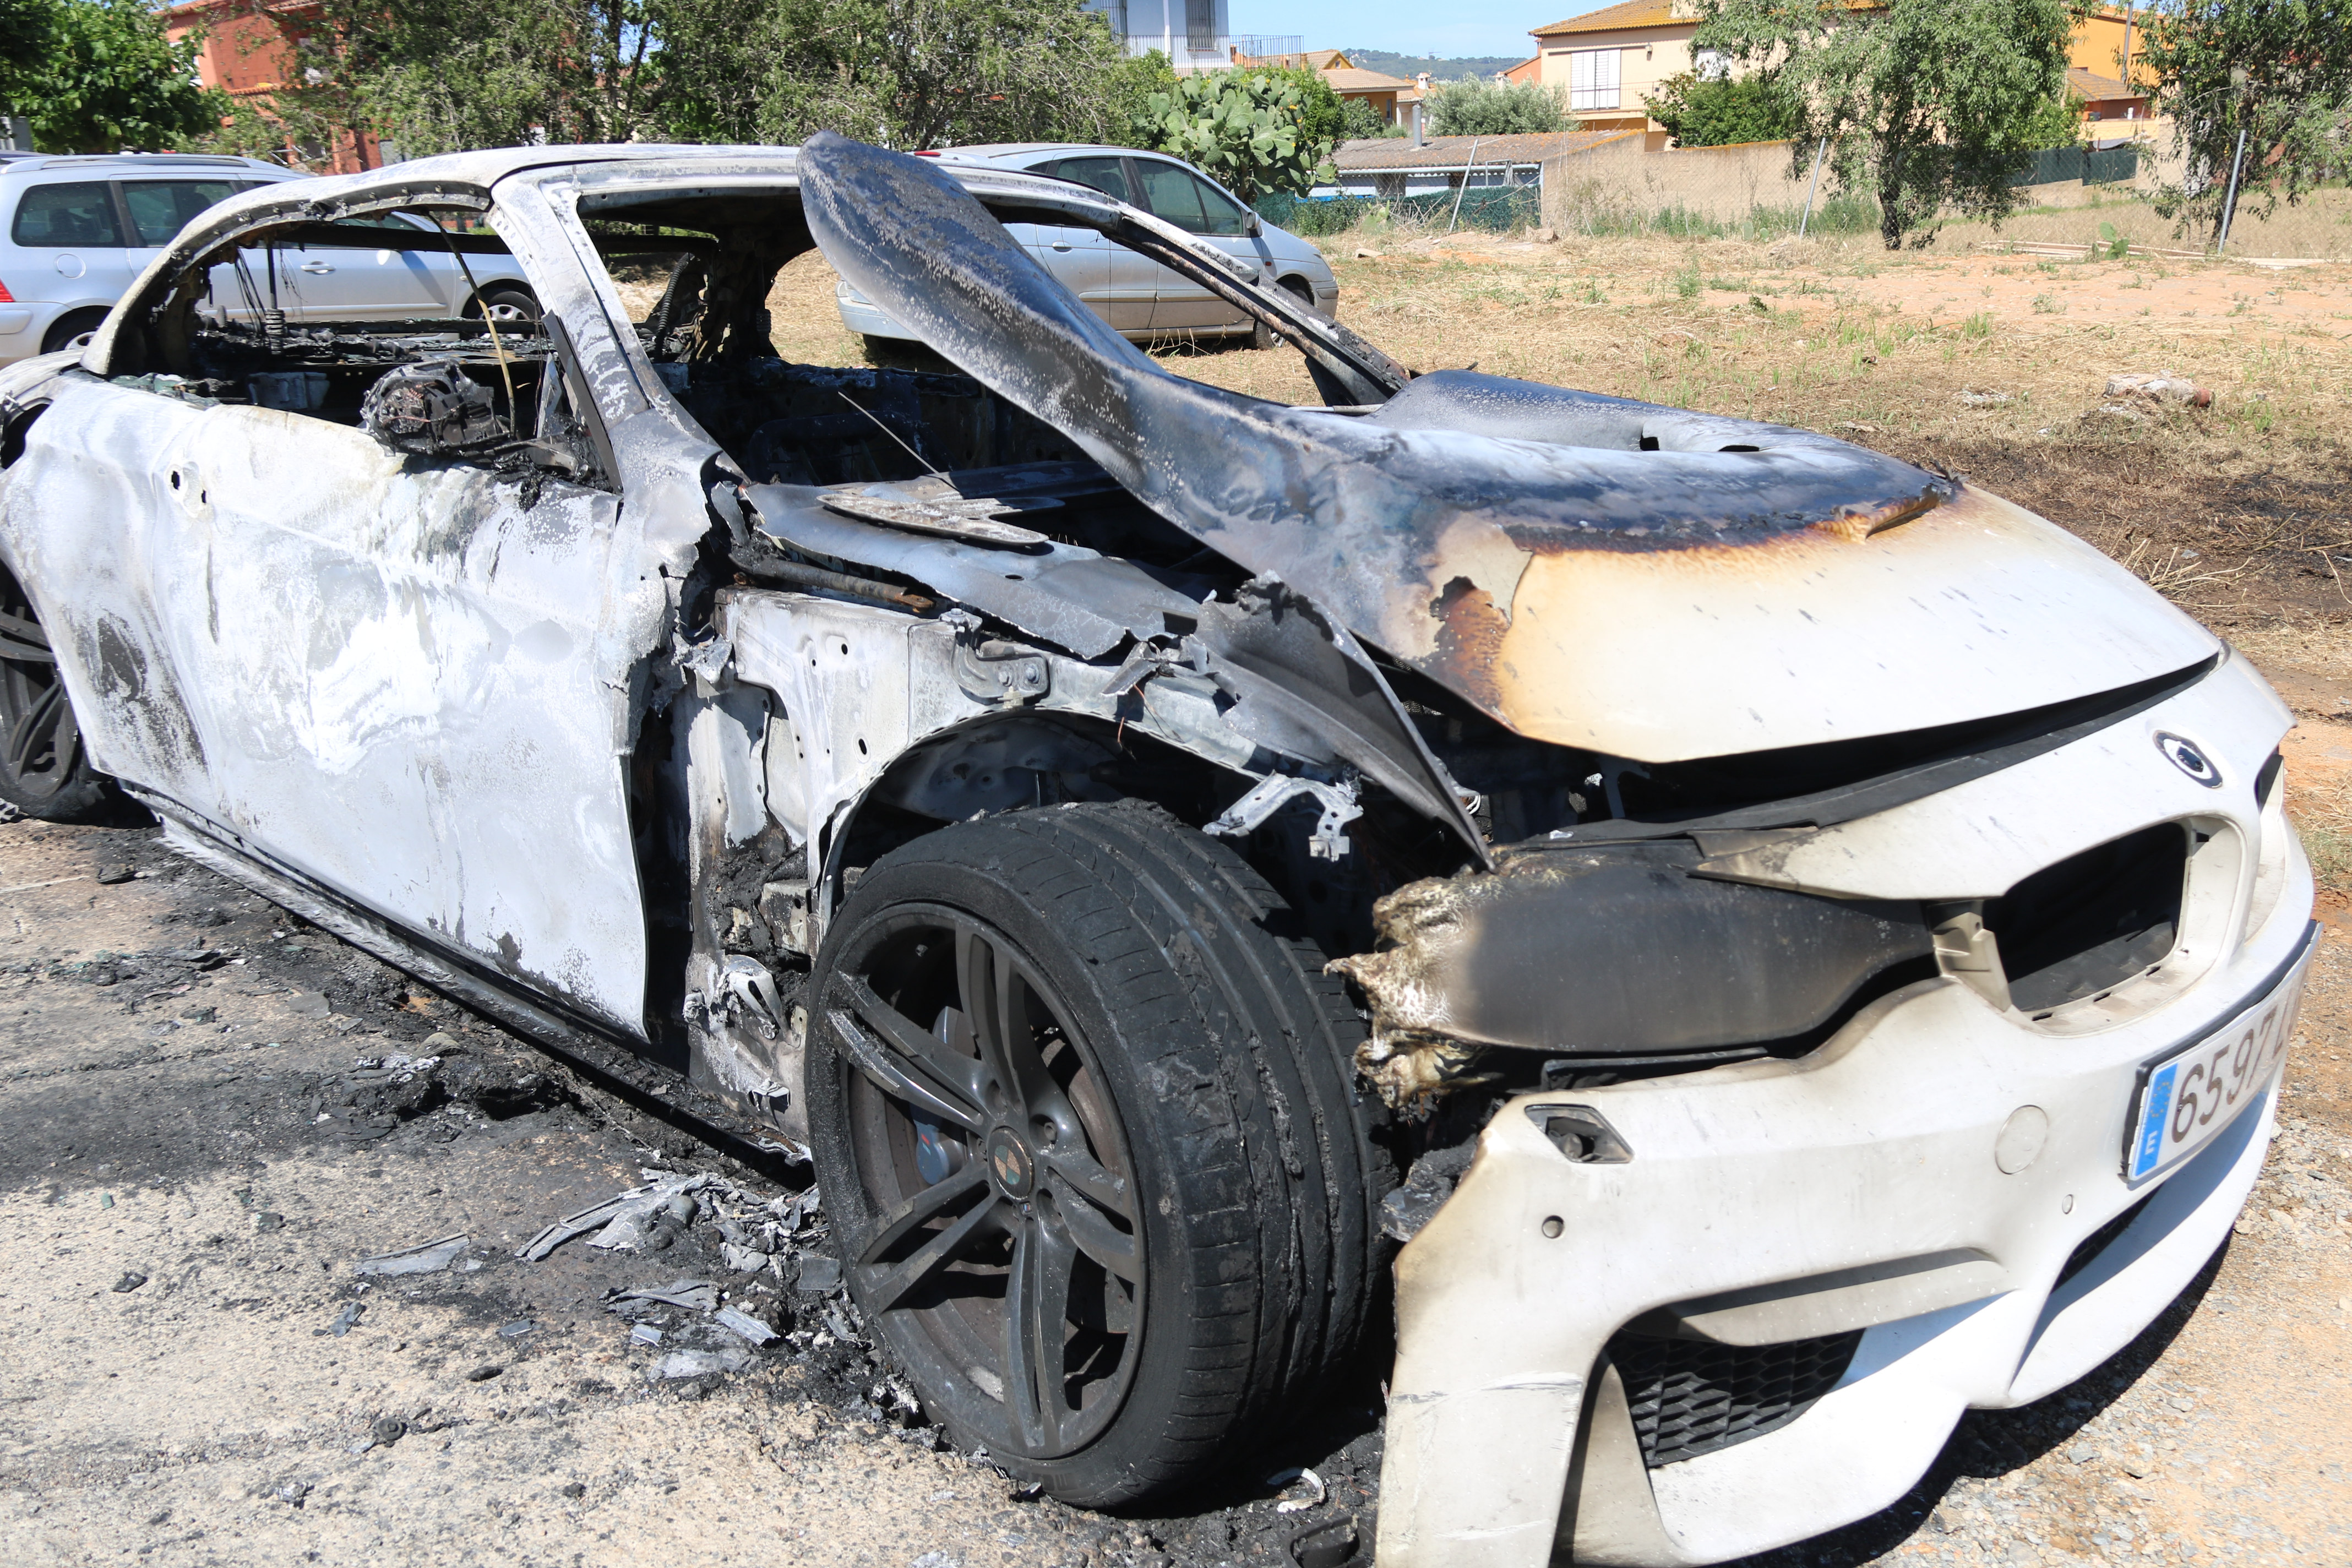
{"x": 1254, "y": 226}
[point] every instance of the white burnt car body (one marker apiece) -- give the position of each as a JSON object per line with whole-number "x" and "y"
{"x": 1817, "y": 941}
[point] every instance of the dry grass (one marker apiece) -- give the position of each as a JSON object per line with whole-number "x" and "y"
{"x": 2319, "y": 225}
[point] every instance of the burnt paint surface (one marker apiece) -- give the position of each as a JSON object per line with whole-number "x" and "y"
{"x": 1516, "y": 541}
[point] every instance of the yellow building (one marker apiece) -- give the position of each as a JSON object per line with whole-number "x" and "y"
{"x": 1609, "y": 61}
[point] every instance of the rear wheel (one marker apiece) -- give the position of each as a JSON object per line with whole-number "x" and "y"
{"x": 45, "y": 771}
{"x": 1263, "y": 336}
{"x": 72, "y": 330}
{"x": 507, "y": 306}
{"x": 1086, "y": 1128}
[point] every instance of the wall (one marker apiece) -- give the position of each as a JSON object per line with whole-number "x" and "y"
{"x": 1624, "y": 178}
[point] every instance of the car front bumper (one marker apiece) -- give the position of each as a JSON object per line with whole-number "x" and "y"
{"x": 1924, "y": 1179}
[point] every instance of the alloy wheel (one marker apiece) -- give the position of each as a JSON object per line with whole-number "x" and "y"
{"x": 1006, "y": 1235}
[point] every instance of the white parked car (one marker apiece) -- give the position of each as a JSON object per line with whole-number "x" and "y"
{"x": 1774, "y": 946}
{"x": 75, "y": 230}
{"x": 1139, "y": 297}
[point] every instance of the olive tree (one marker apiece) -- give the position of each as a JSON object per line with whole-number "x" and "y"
{"x": 1931, "y": 105}
{"x": 1474, "y": 106}
{"x": 2277, "y": 73}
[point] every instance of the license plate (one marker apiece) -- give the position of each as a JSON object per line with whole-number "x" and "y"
{"x": 2190, "y": 1098}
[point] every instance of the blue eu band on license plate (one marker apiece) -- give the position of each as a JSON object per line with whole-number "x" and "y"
{"x": 2189, "y": 1099}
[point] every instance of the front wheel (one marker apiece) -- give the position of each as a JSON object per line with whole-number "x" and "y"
{"x": 1087, "y": 1129}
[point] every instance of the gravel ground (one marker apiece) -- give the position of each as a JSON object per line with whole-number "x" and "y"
{"x": 210, "y": 1119}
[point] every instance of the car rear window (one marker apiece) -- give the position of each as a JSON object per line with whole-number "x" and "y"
{"x": 1189, "y": 201}
{"x": 161, "y": 209}
{"x": 1107, "y": 175}
{"x": 79, "y": 212}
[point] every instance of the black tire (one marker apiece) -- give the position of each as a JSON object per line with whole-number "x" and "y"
{"x": 1174, "y": 1059}
{"x": 1263, "y": 336}
{"x": 505, "y": 303}
{"x": 73, "y": 326}
{"x": 44, "y": 769}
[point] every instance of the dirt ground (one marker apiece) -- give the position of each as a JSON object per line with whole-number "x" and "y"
{"x": 212, "y": 1111}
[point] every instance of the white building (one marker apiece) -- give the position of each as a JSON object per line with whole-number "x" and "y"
{"x": 1195, "y": 35}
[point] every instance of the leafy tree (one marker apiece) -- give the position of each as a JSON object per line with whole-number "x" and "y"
{"x": 2279, "y": 70}
{"x": 1475, "y": 106}
{"x": 1244, "y": 128}
{"x": 97, "y": 76}
{"x": 1724, "y": 111}
{"x": 27, "y": 33}
{"x": 1930, "y": 104}
{"x": 1322, "y": 113}
{"x": 934, "y": 73}
{"x": 1360, "y": 121}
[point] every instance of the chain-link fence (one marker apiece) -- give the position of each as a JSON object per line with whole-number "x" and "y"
{"x": 2093, "y": 196}
{"x": 1498, "y": 208}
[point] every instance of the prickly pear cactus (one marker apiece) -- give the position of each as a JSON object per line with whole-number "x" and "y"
{"x": 1240, "y": 128}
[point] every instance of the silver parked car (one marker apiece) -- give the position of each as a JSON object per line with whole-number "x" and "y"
{"x": 75, "y": 230}
{"x": 1135, "y": 294}
{"x": 1768, "y": 946}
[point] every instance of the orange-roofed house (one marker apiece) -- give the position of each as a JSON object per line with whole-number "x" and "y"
{"x": 1610, "y": 59}
{"x": 1391, "y": 96}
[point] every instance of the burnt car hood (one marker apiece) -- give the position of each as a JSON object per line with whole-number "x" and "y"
{"x": 1631, "y": 579}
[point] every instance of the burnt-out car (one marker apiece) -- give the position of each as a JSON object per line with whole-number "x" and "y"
{"x": 1794, "y": 946}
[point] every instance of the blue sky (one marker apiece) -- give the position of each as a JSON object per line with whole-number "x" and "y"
{"x": 1407, "y": 27}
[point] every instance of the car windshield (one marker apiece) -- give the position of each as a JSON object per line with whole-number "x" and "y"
{"x": 1189, "y": 201}
{"x": 162, "y": 208}
{"x": 79, "y": 212}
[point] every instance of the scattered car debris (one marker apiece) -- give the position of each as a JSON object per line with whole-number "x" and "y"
{"x": 120, "y": 871}
{"x": 694, "y": 1294}
{"x": 700, "y": 1362}
{"x": 645, "y": 1334}
{"x": 625, "y": 1219}
{"x": 2161, "y": 386}
{"x": 425, "y": 1258}
{"x": 1301, "y": 1489}
{"x": 517, "y": 1328}
{"x": 750, "y": 1327}
{"x": 484, "y": 1372}
{"x": 343, "y": 1319}
{"x": 386, "y": 1430}
{"x": 130, "y": 1280}
{"x": 819, "y": 1275}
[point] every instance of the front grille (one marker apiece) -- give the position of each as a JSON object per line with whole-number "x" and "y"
{"x": 2093, "y": 920}
{"x": 1690, "y": 1398}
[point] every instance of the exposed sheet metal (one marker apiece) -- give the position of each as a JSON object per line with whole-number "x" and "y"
{"x": 1740, "y": 586}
